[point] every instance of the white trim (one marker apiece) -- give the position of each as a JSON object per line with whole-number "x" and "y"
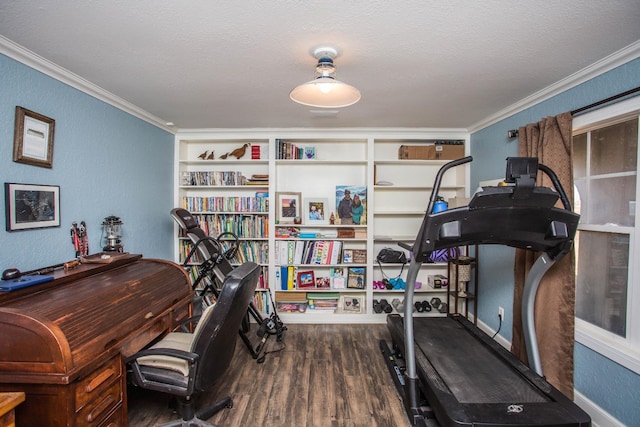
{"x": 608, "y": 63}
{"x": 591, "y": 119}
{"x": 498, "y": 338}
{"x": 599, "y": 417}
{"x": 38, "y": 63}
{"x": 617, "y": 349}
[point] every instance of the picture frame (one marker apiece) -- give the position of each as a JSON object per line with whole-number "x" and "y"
{"x": 306, "y": 279}
{"x": 33, "y": 138}
{"x": 356, "y": 278}
{"x": 316, "y": 211}
{"x": 351, "y": 304}
{"x": 287, "y": 207}
{"x": 29, "y": 206}
{"x": 323, "y": 282}
{"x": 346, "y": 213}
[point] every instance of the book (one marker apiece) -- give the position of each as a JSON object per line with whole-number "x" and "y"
{"x": 347, "y": 256}
{"x": 356, "y": 278}
{"x": 291, "y": 277}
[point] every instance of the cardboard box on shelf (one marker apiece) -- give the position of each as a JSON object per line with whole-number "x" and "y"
{"x": 417, "y": 152}
{"x": 448, "y": 151}
{"x": 437, "y": 151}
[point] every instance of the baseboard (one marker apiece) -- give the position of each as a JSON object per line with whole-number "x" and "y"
{"x": 599, "y": 417}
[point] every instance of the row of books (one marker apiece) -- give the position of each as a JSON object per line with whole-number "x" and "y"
{"x": 301, "y": 301}
{"x": 323, "y": 252}
{"x": 226, "y": 204}
{"x": 213, "y": 178}
{"x": 245, "y": 226}
{"x": 289, "y": 151}
{"x": 291, "y": 278}
{"x": 256, "y": 251}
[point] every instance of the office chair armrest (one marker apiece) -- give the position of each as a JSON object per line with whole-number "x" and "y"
{"x": 184, "y": 325}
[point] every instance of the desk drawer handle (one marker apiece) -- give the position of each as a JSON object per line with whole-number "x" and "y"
{"x": 149, "y": 315}
{"x": 95, "y": 383}
{"x": 101, "y": 408}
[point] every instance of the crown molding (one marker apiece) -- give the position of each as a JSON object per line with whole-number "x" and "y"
{"x": 35, "y": 61}
{"x": 608, "y": 63}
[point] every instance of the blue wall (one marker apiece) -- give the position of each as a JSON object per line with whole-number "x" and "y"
{"x": 106, "y": 162}
{"x": 609, "y": 385}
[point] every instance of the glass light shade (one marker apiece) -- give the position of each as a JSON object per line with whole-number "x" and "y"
{"x": 325, "y": 92}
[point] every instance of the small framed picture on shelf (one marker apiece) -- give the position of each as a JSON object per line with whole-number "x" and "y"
{"x": 315, "y": 211}
{"x": 356, "y": 278}
{"x": 306, "y": 279}
{"x": 359, "y": 256}
{"x": 338, "y": 279}
{"x": 287, "y": 207}
{"x": 309, "y": 152}
{"x": 351, "y": 204}
{"x": 347, "y": 256}
{"x": 351, "y": 304}
{"x": 323, "y": 282}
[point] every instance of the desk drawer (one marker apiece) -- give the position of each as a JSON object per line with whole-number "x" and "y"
{"x": 90, "y": 387}
{"x": 95, "y": 412}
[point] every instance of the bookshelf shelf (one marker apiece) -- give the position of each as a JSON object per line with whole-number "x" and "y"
{"x": 318, "y": 165}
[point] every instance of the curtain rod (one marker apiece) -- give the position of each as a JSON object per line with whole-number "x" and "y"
{"x": 513, "y": 133}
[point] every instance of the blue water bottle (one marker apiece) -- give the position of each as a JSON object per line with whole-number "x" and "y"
{"x": 440, "y": 205}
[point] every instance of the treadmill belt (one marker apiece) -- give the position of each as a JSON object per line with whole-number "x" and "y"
{"x": 469, "y": 368}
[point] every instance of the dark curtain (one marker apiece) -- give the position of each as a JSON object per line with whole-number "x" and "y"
{"x": 550, "y": 141}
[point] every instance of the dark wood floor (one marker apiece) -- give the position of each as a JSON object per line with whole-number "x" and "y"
{"x": 327, "y": 375}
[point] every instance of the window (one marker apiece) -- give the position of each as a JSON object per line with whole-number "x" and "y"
{"x": 606, "y": 187}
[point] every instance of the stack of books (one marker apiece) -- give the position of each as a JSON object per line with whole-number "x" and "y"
{"x": 326, "y": 301}
{"x": 258, "y": 179}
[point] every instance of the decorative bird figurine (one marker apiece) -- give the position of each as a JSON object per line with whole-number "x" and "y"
{"x": 237, "y": 153}
{"x": 211, "y": 156}
{"x": 203, "y": 155}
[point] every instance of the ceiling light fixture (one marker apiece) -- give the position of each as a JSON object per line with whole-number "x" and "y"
{"x": 324, "y": 91}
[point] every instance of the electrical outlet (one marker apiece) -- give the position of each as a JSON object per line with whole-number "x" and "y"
{"x": 501, "y": 313}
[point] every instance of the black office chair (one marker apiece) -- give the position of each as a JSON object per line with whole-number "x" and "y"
{"x": 185, "y": 364}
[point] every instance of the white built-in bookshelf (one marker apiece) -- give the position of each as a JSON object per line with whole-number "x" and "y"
{"x": 311, "y": 263}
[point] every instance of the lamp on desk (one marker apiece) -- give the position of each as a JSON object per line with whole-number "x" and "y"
{"x": 112, "y": 228}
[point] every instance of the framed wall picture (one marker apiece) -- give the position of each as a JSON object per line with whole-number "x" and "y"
{"x": 316, "y": 211}
{"x": 33, "y": 138}
{"x": 287, "y": 207}
{"x": 30, "y": 206}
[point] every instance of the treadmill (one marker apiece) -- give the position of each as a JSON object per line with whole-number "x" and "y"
{"x": 449, "y": 372}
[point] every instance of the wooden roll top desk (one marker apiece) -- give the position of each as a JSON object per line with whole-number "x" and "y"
{"x": 63, "y": 341}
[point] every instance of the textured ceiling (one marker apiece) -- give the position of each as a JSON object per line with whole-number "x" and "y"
{"x": 231, "y": 64}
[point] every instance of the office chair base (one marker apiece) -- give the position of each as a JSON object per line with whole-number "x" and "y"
{"x": 198, "y": 419}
